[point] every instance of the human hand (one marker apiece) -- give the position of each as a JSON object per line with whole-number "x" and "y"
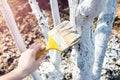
{"x": 27, "y": 62}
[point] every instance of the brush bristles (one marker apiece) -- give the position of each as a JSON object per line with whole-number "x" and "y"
{"x": 65, "y": 35}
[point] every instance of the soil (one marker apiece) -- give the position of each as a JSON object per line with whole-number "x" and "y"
{"x": 29, "y": 29}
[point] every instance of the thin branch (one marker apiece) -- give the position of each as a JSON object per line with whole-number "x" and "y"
{"x": 41, "y": 17}
{"x": 55, "y": 12}
{"x": 55, "y": 55}
{"x": 73, "y": 4}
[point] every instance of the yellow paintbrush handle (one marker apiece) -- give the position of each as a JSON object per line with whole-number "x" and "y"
{"x": 50, "y": 45}
{"x": 39, "y": 53}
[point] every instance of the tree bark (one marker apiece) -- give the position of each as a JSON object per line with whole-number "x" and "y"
{"x": 82, "y": 14}
{"x": 55, "y": 12}
{"x": 55, "y": 56}
{"x": 41, "y": 17}
{"x": 102, "y": 33}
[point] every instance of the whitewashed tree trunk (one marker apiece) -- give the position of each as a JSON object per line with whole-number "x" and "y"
{"x": 82, "y": 14}
{"x": 43, "y": 23}
{"x": 55, "y": 56}
{"x": 102, "y": 33}
{"x": 41, "y": 17}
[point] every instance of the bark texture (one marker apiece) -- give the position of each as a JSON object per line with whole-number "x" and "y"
{"x": 82, "y": 14}
{"x": 102, "y": 33}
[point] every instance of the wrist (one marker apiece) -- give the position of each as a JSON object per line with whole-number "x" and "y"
{"x": 21, "y": 73}
{"x": 16, "y": 74}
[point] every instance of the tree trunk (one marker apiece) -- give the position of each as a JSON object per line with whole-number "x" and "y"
{"x": 82, "y": 14}
{"x": 102, "y": 32}
{"x": 55, "y": 56}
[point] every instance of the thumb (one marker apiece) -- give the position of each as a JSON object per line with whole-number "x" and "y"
{"x": 37, "y": 46}
{"x": 42, "y": 46}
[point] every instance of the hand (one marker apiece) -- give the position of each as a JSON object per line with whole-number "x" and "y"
{"x": 27, "y": 62}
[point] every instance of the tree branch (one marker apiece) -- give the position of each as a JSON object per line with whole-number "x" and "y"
{"x": 55, "y": 12}
{"x": 41, "y": 17}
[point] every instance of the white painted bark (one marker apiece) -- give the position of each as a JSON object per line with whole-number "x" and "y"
{"x": 41, "y": 17}
{"x": 8, "y": 15}
{"x": 55, "y": 12}
{"x": 102, "y": 32}
{"x": 55, "y": 56}
{"x": 43, "y": 23}
{"x": 73, "y": 4}
{"x": 85, "y": 52}
{"x": 83, "y": 17}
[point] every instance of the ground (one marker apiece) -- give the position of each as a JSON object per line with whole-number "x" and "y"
{"x": 29, "y": 29}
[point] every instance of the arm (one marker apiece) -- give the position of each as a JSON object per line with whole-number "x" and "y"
{"x": 27, "y": 64}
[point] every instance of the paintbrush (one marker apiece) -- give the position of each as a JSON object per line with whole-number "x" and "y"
{"x": 61, "y": 38}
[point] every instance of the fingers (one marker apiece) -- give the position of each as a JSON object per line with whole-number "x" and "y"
{"x": 36, "y": 47}
{"x": 41, "y": 58}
